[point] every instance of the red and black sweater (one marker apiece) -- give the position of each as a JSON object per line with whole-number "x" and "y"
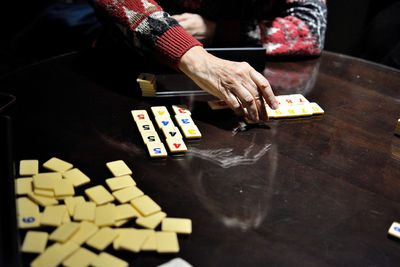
{"x": 285, "y": 27}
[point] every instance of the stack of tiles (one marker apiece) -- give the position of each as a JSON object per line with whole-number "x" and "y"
{"x": 149, "y": 134}
{"x": 295, "y": 105}
{"x": 185, "y": 122}
{"x": 84, "y": 226}
{"x": 165, "y": 124}
{"x": 147, "y": 83}
{"x": 173, "y": 137}
{"x": 290, "y": 106}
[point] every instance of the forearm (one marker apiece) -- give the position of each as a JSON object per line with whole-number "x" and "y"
{"x": 146, "y": 27}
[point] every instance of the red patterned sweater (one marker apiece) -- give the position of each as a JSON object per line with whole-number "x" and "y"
{"x": 285, "y": 27}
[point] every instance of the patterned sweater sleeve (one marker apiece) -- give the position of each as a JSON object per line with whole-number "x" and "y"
{"x": 147, "y": 27}
{"x": 299, "y": 29}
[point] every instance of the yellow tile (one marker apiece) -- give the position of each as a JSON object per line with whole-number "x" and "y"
{"x": 76, "y": 177}
{"x": 191, "y": 132}
{"x": 27, "y": 221}
{"x": 63, "y": 188}
{"x": 23, "y": 186}
{"x": 85, "y": 231}
{"x": 316, "y": 109}
{"x": 145, "y": 126}
{"x": 132, "y": 240}
{"x": 102, "y": 238}
{"x": 44, "y": 192}
{"x": 50, "y": 257}
{"x": 26, "y": 206}
{"x": 270, "y": 112}
{"x": 55, "y": 254}
{"x": 151, "y": 221}
{"x": 145, "y": 205}
{"x": 157, "y": 150}
{"x": 298, "y": 99}
{"x": 164, "y": 121}
{"x": 298, "y": 111}
{"x": 394, "y": 229}
{"x": 64, "y": 232}
{"x": 151, "y": 243}
{"x": 118, "y": 168}
{"x": 167, "y": 242}
{"x": 171, "y": 132}
{"x": 71, "y": 202}
{"x": 57, "y": 165}
{"x": 127, "y": 194}
{"x": 177, "y": 225}
{"x": 80, "y": 258}
{"x": 121, "y": 182}
{"x": 126, "y": 211}
{"x": 85, "y": 211}
{"x": 160, "y": 111}
{"x": 119, "y": 223}
{"x": 53, "y": 215}
{"x": 181, "y": 109}
{"x": 99, "y": 194}
{"x": 66, "y": 218}
{"x": 281, "y": 112}
{"x": 43, "y": 201}
{"x": 35, "y": 242}
{"x": 105, "y": 215}
{"x": 146, "y": 78}
{"x": 218, "y": 104}
{"x": 120, "y": 233}
{"x": 46, "y": 180}
{"x": 184, "y": 120}
{"x": 176, "y": 145}
{"x": 28, "y": 167}
{"x": 150, "y": 137}
{"x": 140, "y": 115}
{"x": 106, "y": 260}
{"x": 285, "y": 100}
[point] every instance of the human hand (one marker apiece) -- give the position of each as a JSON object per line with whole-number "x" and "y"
{"x": 197, "y": 26}
{"x": 237, "y": 83}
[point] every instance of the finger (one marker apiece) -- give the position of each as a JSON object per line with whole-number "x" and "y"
{"x": 265, "y": 88}
{"x": 232, "y": 101}
{"x": 258, "y": 97}
{"x": 248, "y": 100}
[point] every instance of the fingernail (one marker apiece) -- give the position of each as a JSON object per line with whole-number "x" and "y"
{"x": 275, "y": 105}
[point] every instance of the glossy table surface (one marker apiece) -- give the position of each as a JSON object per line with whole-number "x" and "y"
{"x": 316, "y": 191}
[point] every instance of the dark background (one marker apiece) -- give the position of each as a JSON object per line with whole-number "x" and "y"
{"x": 32, "y": 31}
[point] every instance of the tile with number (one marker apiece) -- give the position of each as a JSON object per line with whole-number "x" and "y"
{"x": 176, "y": 145}
{"x": 157, "y": 150}
{"x": 181, "y": 109}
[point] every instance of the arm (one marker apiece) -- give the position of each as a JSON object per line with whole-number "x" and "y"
{"x": 298, "y": 29}
{"x": 145, "y": 26}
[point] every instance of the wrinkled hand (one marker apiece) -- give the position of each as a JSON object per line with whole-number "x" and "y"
{"x": 197, "y": 26}
{"x": 243, "y": 88}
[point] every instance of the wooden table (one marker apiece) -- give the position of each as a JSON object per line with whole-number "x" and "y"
{"x": 316, "y": 191}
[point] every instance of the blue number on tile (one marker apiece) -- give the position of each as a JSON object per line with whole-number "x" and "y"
{"x": 28, "y": 219}
{"x": 185, "y": 121}
{"x": 157, "y": 150}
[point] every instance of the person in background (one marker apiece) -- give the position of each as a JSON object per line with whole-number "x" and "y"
{"x": 285, "y": 27}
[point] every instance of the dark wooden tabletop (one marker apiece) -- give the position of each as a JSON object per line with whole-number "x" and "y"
{"x": 316, "y": 191}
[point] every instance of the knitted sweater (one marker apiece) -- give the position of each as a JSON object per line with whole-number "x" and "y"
{"x": 285, "y": 27}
